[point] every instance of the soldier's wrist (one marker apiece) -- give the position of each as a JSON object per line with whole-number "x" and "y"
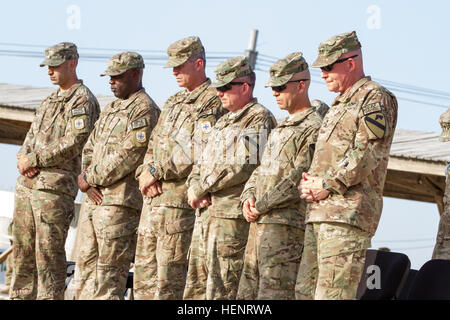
{"x": 155, "y": 172}
{"x": 261, "y": 206}
{"x": 32, "y": 159}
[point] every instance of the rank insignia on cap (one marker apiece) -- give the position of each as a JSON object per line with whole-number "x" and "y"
{"x": 79, "y": 124}
{"x": 376, "y": 123}
{"x": 206, "y": 127}
{"x": 141, "y": 136}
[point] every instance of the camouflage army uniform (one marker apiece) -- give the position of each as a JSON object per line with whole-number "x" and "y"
{"x": 44, "y": 204}
{"x": 9, "y": 266}
{"x": 351, "y": 156}
{"x": 442, "y": 247}
{"x": 167, "y": 221}
{"x": 114, "y": 150}
{"x": 229, "y": 158}
{"x": 275, "y": 241}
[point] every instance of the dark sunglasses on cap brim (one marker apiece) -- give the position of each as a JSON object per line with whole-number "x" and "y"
{"x": 282, "y": 87}
{"x": 330, "y": 67}
{"x": 228, "y": 86}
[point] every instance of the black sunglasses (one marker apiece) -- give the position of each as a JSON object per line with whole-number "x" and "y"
{"x": 330, "y": 67}
{"x": 228, "y": 86}
{"x": 282, "y": 87}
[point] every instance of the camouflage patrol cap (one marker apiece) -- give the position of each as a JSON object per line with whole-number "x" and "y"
{"x": 284, "y": 69}
{"x": 444, "y": 120}
{"x": 231, "y": 69}
{"x": 179, "y": 52}
{"x": 333, "y": 48}
{"x": 123, "y": 62}
{"x": 57, "y": 54}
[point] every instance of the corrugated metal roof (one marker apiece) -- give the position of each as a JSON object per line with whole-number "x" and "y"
{"x": 412, "y": 144}
{"x": 28, "y": 97}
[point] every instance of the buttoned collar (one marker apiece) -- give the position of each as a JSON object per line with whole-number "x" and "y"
{"x": 296, "y": 118}
{"x": 234, "y": 116}
{"x": 346, "y": 96}
{"x": 123, "y": 104}
{"x": 60, "y": 95}
{"x": 194, "y": 94}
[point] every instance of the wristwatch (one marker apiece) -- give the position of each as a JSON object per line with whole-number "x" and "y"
{"x": 85, "y": 177}
{"x": 152, "y": 170}
{"x": 324, "y": 185}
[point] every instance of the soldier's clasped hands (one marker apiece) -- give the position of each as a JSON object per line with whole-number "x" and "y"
{"x": 311, "y": 188}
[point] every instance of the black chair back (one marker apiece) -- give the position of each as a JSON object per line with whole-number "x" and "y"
{"x": 432, "y": 281}
{"x": 408, "y": 284}
{"x": 383, "y": 276}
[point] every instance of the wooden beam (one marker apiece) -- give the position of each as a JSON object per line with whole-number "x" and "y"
{"x": 417, "y": 166}
{"x": 414, "y": 186}
{"x": 8, "y": 113}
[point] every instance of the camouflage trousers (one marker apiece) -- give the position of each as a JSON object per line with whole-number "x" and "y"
{"x": 442, "y": 247}
{"x": 40, "y": 225}
{"x": 223, "y": 243}
{"x": 332, "y": 261}
{"x": 272, "y": 259}
{"x": 197, "y": 274}
{"x": 9, "y": 262}
{"x": 161, "y": 263}
{"x": 106, "y": 250}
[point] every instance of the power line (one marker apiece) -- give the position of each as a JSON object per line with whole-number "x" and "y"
{"x": 412, "y": 248}
{"x": 264, "y": 62}
{"x": 406, "y": 240}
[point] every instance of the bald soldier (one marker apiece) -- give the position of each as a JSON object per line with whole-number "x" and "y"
{"x": 442, "y": 247}
{"x": 216, "y": 183}
{"x": 167, "y": 220}
{"x": 271, "y": 201}
{"x": 344, "y": 184}
{"x": 113, "y": 203}
{"x": 49, "y": 162}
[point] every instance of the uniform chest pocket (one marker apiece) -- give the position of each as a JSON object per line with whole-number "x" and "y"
{"x": 333, "y": 122}
{"x": 279, "y": 147}
{"x": 116, "y": 129}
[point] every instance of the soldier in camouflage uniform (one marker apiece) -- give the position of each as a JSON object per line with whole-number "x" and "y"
{"x": 4, "y": 288}
{"x": 112, "y": 207}
{"x": 167, "y": 221}
{"x": 49, "y": 162}
{"x": 229, "y": 158}
{"x": 442, "y": 247}
{"x": 345, "y": 181}
{"x": 271, "y": 201}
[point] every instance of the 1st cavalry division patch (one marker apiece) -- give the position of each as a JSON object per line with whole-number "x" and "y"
{"x": 375, "y": 120}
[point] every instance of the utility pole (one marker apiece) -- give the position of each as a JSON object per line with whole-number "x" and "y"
{"x": 251, "y": 52}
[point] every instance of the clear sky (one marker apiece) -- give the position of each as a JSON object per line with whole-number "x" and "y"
{"x": 404, "y": 42}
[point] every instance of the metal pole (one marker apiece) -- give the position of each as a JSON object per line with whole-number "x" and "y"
{"x": 251, "y": 52}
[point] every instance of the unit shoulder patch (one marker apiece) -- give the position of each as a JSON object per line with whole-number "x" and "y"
{"x": 376, "y": 124}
